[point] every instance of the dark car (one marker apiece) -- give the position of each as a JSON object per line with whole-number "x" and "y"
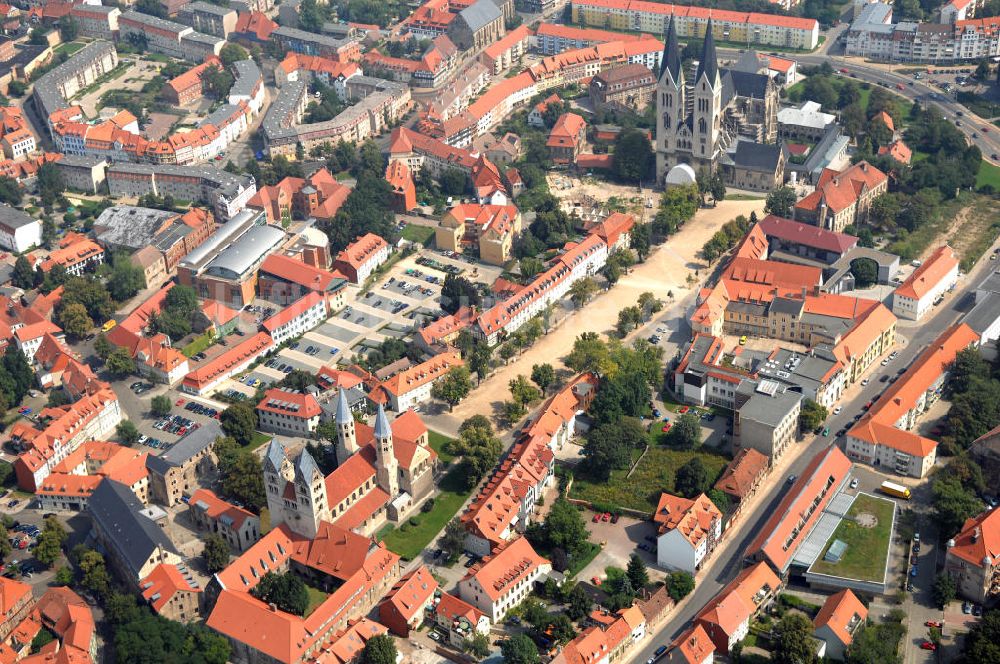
{"x": 884, "y": 378}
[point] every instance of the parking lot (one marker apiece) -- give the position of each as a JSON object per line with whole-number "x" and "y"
{"x": 159, "y": 434}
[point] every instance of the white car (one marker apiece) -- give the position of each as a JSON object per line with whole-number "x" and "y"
{"x": 837, "y": 410}
{"x": 143, "y": 438}
{"x": 854, "y": 483}
{"x": 865, "y": 382}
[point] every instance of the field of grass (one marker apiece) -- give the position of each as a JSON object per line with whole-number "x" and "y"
{"x": 438, "y": 441}
{"x": 409, "y": 540}
{"x": 978, "y": 231}
{"x": 867, "y": 548}
{"x": 988, "y": 175}
{"x": 316, "y": 597}
{"x": 419, "y": 234}
{"x": 916, "y": 242}
{"x": 654, "y": 475}
{"x": 259, "y": 438}
{"x": 69, "y": 48}
{"x": 199, "y": 344}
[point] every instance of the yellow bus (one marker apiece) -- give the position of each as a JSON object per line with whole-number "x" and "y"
{"x": 107, "y": 327}
{"x": 895, "y": 490}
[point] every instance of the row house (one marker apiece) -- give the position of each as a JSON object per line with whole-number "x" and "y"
{"x": 926, "y": 285}
{"x": 412, "y": 386}
{"x": 297, "y": 318}
{"x": 359, "y": 260}
{"x": 687, "y": 531}
{"x": 234, "y": 360}
{"x": 240, "y": 528}
{"x": 503, "y": 580}
{"x": 74, "y": 479}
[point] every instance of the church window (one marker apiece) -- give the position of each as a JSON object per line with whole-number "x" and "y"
{"x": 702, "y": 125}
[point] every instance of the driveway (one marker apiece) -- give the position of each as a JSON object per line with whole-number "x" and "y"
{"x": 618, "y": 542}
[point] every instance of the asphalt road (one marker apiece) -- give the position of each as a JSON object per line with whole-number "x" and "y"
{"x": 724, "y": 567}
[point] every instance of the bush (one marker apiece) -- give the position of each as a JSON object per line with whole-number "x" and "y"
{"x": 427, "y": 506}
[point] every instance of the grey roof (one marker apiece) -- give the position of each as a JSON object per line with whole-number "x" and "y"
{"x": 985, "y": 313}
{"x": 294, "y": 34}
{"x": 805, "y": 371}
{"x": 991, "y": 284}
{"x": 274, "y": 457}
{"x": 133, "y": 537}
{"x": 155, "y": 22}
{"x": 756, "y": 156}
{"x": 202, "y": 38}
{"x": 220, "y": 117}
{"x": 765, "y": 408}
{"x": 744, "y": 84}
{"x": 305, "y": 466}
{"x": 343, "y": 410}
{"x": 189, "y": 445}
{"x": 247, "y": 76}
{"x": 81, "y": 160}
{"x": 709, "y": 63}
{"x": 129, "y": 226}
{"x": 479, "y": 14}
{"x": 207, "y": 8}
{"x": 671, "y": 59}
{"x": 229, "y": 231}
{"x": 238, "y": 257}
{"x": 876, "y": 12}
{"x": 13, "y": 218}
{"x": 46, "y": 92}
{"x": 786, "y": 305}
{"x": 382, "y": 427}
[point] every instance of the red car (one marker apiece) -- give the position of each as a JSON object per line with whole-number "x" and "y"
{"x": 934, "y": 623}
{"x": 179, "y": 402}
{"x": 666, "y": 427}
{"x": 606, "y": 516}
{"x": 843, "y": 71}
{"x": 595, "y": 580}
{"x": 597, "y": 517}
{"x": 928, "y": 645}
{"x": 684, "y": 409}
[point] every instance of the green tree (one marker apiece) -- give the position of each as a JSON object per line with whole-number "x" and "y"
{"x": 680, "y": 585}
{"x": 793, "y": 640}
{"x": 629, "y": 318}
{"x": 478, "y": 646}
{"x": 5, "y": 545}
{"x": 454, "y": 182}
{"x": 239, "y": 421}
{"x": 637, "y": 573}
{"x": 633, "y": 156}
{"x": 127, "y": 432}
{"x": 102, "y": 346}
{"x": 287, "y": 591}
{"x": 160, "y": 405}
{"x": 480, "y": 450}
{"x": 641, "y": 240}
{"x": 379, "y": 649}
{"x": 126, "y": 279}
{"x": 50, "y": 183}
{"x": 686, "y": 432}
{"x": 10, "y": 190}
{"x": 531, "y": 266}
{"x": 452, "y": 542}
{"x": 543, "y": 375}
{"x": 564, "y": 527}
{"x": 64, "y": 576}
{"x": 609, "y": 447}
{"x": 74, "y": 320}
{"x": 50, "y": 542}
{"x": 692, "y": 478}
{"x": 582, "y": 290}
{"x": 943, "y": 591}
{"x": 454, "y": 387}
{"x": 865, "y": 272}
{"x": 215, "y": 553}
{"x": 982, "y": 643}
{"x": 589, "y": 353}
{"x": 241, "y": 474}
{"x": 519, "y": 649}
{"x": 649, "y": 304}
{"x": 232, "y": 53}
{"x": 68, "y": 28}
{"x": 780, "y": 202}
{"x": 811, "y": 415}
{"x": 578, "y": 603}
{"x": 523, "y": 392}
{"x": 94, "y": 573}
{"x": 24, "y": 275}
{"x": 120, "y": 363}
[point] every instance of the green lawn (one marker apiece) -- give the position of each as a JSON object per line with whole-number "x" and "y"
{"x": 654, "y": 475}
{"x": 867, "y": 548}
{"x": 199, "y": 344}
{"x": 409, "y": 540}
{"x": 988, "y": 175}
{"x": 69, "y": 48}
{"x": 316, "y": 597}
{"x": 437, "y": 442}
{"x": 259, "y": 438}
{"x": 419, "y": 234}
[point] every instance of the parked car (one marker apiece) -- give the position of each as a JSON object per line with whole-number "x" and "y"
{"x": 928, "y": 645}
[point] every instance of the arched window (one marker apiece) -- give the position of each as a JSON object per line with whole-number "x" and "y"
{"x": 702, "y": 125}
{"x": 666, "y": 120}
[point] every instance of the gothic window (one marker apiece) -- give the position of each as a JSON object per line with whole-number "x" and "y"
{"x": 702, "y": 125}
{"x": 670, "y": 101}
{"x": 666, "y": 120}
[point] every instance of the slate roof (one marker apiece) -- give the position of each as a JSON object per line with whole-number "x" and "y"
{"x": 479, "y": 14}
{"x": 671, "y": 60}
{"x": 117, "y": 513}
{"x": 189, "y": 445}
{"x": 756, "y": 156}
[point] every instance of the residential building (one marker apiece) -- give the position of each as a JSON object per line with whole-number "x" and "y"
{"x": 234, "y": 360}
{"x": 74, "y": 479}
{"x": 188, "y": 87}
{"x": 208, "y": 18}
{"x": 883, "y": 436}
{"x": 491, "y": 229}
{"x": 82, "y": 69}
{"x": 726, "y": 618}
{"x": 804, "y": 123}
{"x": 458, "y": 619}
{"x": 412, "y": 387}
{"x": 687, "y": 531}
{"x": 16, "y": 601}
{"x": 422, "y": 153}
{"x": 96, "y": 21}
{"x": 359, "y": 260}
{"x": 973, "y": 557}
{"x": 790, "y": 240}
{"x": 795, "y": 516}
{"x": 64, "y": 614}
{"x": 503, "y": 580}
{"x": 844, "y": 198}
{"x": 297, "y": 318}
{"x": 225, "y": 192}
{"x": 404, "y": 191}
{"x": 310, "y": 43}
{"x": 567, "y": 138}
{"x": 692, "y": 647}
{"x": 290, "y": 413}
{"x": 554, "y": 38}
{"x": 237, "y": 526}
{"x": 606, "y": 641}
{"x": 168, "y": 37}
{"x": 16, "y": 137}
{"x": 629, "y": 88}
{"x": 504, "y": 506}
{"x": 405, "y": 606}
{"x": 297, "y": 67}
{"x": 174, "y": 474}
{"x": 926, "y": 285}
{"x": 75, "y": 257}
{"x": 742, "y": 477}
{"x": 505, "y": 53}
{"x": 766, "y": 417}
{"x": 694, "y": 21}
{"x": 133, "y": 544}
{"x": 171, "y": 235}
{"x": 841, "y": 617}
{"x": 83, "y": 173}
{"x": 18, "y": 231}
{"x": 319, "y": 196}
{"x": 172, "y": 592}
{"x": 284, "y": 280}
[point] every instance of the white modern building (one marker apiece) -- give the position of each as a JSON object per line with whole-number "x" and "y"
{"x": 18, "y": 231}
{"x": 929, "y": 282}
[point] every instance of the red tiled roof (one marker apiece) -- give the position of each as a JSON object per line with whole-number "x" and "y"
{"x": 806, "y": 234}
{"x": 290, "y": 404}
{"x": 842, "y": 612}
{"x": 942, "y": 262}
{"x": 163, "y": 583}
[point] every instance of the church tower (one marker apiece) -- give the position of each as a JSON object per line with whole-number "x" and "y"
{"x": 386, "y": 466}
{"x": 278, "y": 472}
{"x": 347, "y": 441}
{"x": 311, "y": 505}
{"x": 707, "y": 119}
{"x": 671, "y": 104}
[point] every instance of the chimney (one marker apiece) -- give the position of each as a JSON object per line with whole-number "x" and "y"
{"x": 273, "y": 607}
{"x": 975, "y": 535}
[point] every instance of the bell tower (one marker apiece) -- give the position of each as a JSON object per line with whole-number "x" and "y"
{"x": 347, "y": 441}
{"x": 386, "y": 466}
{"x": 671, "y": 103}
{"x": 707, "y": 120}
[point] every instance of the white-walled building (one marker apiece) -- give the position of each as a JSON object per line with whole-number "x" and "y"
{"x": 297, "y": 318}
{"x": 290, "y": 413}
{"x": 688, "y": 531}
{"x": 935, "y": 277}
{"x": 18, "y": 231}
{"x": 412, "y": 386}
{"x": 502, "y": 581}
